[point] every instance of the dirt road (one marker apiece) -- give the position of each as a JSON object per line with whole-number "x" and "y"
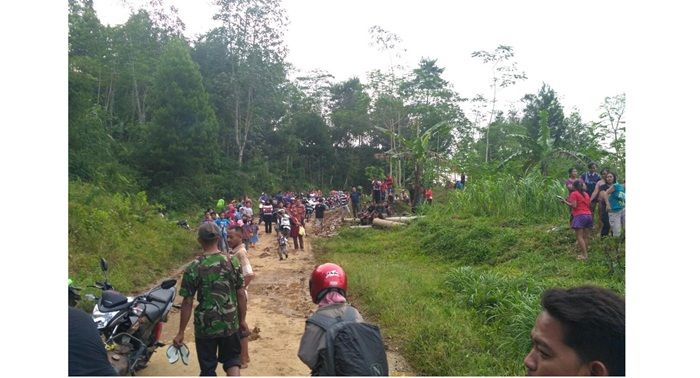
{"x": 278, "y": 304}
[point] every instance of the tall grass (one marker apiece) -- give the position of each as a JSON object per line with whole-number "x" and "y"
{"x": 138, "y": 243}
{"x": 458, "y": 291}
{"x": 532, "y": 197}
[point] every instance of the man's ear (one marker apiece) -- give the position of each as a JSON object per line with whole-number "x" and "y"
{"x": 598, "y": 369}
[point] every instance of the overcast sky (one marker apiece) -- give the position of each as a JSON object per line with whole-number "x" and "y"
{"x": 577, "y": 49}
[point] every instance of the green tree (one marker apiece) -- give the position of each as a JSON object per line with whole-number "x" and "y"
{"x": 545, "y": 100}
{"x": 182, "y": 139}
{"x": 504, "y": 73}
{"x": 540, "y": 152}
{"x": 611, "y": 116}
{"x": 349, "y": 113}
{"x": 417, "y": 150}
{"x": 253, "y": 31}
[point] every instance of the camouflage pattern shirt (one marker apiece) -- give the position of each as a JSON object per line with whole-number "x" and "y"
{"x": 215, "y": 279}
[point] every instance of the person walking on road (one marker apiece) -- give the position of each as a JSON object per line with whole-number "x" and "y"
{"x": 220, "y": 314}
{"x": 297, "y": 213}
{"x": 320, "y": 209}
{"x": 355, "y": 200}
{"x": 267, "y": 214}
{"x": 361, "y": 351}
{"x": 237, "y": 249}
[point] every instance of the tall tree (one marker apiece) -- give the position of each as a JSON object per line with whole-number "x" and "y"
{"x": 253, "y": 30}
{"x": 545, "y": 100}
{"x": 431, "y": 100}
{"x": 349, "y": 113}
{"x": 541, "y": 151}
{"x": 504, "y": 73}
{"x": 611, "y": 116}
{"x": 182, "y": 140}
{"x": 316, "y": 85}
{"x": 388, "y": 111}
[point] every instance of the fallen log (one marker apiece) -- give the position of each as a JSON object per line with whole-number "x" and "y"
{"x": 404, "y": 219}
{"x": 386, "y": 223}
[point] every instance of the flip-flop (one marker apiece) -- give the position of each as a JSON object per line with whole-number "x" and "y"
{"x": 184, "y": 353}
{"x": 172, "y": 353}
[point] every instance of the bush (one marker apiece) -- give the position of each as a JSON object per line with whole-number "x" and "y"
{"x": 139, "y": 244}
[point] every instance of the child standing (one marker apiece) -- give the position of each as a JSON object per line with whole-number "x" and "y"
{"x": 253, "y": 234}
{"x": 223, "y": 224}
{"x": 247, "y": 232}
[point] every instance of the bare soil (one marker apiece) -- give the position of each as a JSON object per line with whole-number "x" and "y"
{"x": 278, "y": 305}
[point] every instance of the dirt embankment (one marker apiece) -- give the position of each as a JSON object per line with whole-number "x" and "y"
{"x": 278, "y": 305}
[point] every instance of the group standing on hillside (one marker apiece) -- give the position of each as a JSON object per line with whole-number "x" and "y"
{"x": 593, "y": 193}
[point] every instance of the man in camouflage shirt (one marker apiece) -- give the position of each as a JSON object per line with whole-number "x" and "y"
{"x": 217, "y": 280}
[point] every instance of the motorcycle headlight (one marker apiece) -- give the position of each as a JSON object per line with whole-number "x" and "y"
{"x": 101, "y": 319}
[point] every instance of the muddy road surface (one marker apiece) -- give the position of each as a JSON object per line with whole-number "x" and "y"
{"x": 278, "y": 305}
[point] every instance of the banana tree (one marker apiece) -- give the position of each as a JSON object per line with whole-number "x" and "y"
{"x": 417, "y": 150}
{"x": 541, "y": 152}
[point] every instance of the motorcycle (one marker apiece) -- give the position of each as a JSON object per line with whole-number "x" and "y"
{"x": 131, "y": 326}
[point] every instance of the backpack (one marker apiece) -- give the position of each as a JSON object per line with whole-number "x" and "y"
{"x": 352, "y": 348}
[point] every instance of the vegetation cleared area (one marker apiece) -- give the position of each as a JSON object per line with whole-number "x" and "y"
{"x": 458, "y": 291}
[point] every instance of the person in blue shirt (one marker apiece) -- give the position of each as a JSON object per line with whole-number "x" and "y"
{"x": 355, "y": 200}
{"x": 223, "y": 224}
{"x": 615, "y": 203}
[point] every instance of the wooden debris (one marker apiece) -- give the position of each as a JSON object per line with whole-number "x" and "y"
{"x": 382, "y": 223}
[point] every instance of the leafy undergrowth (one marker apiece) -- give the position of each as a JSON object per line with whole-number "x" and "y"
{"x": 139, "y": 245}
{"x": 458, "y": 293}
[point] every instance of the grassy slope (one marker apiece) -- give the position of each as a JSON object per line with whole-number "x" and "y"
{"x": 139, "y": 245}
{"x": 459, "y": 294}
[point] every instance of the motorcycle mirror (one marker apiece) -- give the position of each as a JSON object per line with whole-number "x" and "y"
{"x": 167, "y": 284}
{"x": 103, "y": 264}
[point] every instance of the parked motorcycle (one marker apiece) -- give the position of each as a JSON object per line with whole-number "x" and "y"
{"x": 131, "y": 326}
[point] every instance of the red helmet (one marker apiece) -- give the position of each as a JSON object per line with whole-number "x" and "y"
{"x": 325, "y": 277}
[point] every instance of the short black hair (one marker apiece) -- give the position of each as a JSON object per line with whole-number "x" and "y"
{"x": 591, "y": 164}
{"x": 593, "y": 321}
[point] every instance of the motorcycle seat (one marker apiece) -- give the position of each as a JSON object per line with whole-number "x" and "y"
{"x": 162, "y": 295}
{"x": 153, "y": 310}
{"x": 112, "y": 301}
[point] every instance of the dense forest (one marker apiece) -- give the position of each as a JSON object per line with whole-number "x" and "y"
{"x": 187, "y": 121}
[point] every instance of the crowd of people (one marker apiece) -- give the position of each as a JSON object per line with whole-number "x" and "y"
{"x": 580, "y": 331}
{"x": 594, "y": 196}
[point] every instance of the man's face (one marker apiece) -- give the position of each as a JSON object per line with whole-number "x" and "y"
{"x": 549, "y": 354}
{"x": 234, "y": 239}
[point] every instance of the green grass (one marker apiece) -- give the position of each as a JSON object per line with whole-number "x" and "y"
{"x": 459, "y": 293}
{"x": 139, "y": 245}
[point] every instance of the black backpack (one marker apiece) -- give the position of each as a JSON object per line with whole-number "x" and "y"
{"x": 352, "y": 348}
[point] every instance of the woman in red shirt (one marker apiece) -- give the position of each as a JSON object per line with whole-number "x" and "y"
{"x": 297, "y": 212}
{"x": 582, "y": 222}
